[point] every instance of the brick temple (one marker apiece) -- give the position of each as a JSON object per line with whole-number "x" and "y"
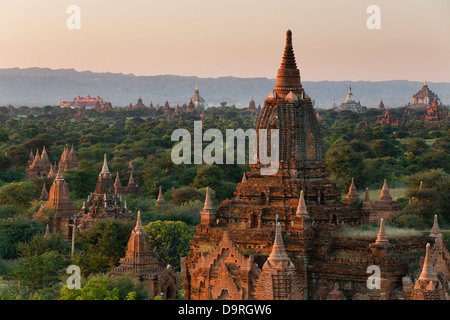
{"x": 279, "y": 237}
{"x": 103, "y": 203}
{"x": 143, "y": 268}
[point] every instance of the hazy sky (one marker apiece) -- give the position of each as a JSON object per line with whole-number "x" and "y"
{"x": 242, "y": 38}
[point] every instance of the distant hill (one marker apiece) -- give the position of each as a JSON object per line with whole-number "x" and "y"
{"x": 43, "y": 86}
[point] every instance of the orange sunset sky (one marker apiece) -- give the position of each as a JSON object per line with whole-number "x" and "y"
{"x": 242, "y": 38}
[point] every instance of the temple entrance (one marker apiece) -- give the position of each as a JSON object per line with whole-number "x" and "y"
{"x": 334, "y": 220}
{"x": 262, "y": 199}
{"x": 224, "y": 295}
{"x": 170, "y": 293}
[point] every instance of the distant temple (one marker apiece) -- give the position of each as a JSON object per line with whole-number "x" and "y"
{"x": 143, "y": 268}
{"x": 196, "y": 99}
{"x": 386, "y": 118}
{"x": 350, "y": 104}
{"x": 63, "y": 209}
{"x": 423, "y": 98}
{"x": 384, "y": 207}
{"x": 87, "y": 102}
{"x": 39, "y": 165}
{"x": 104, "y": 202}
{"x": 436, "y": 112}
{"x": 68, "y": 159}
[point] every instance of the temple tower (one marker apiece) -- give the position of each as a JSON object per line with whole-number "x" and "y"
{"x": 63, "y": 208}
{"x": 352, "y": 193}
{"x": 144, "y": 268}
{"x": 104, "y": 202}
{"x": 267, "y": 201}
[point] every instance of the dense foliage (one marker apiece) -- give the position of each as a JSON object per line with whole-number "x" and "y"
{"x": 354, "y": 146}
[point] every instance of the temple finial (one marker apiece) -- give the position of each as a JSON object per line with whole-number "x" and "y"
{"x": 105, "y": 168}
{"x": 435, "y": 231}
{"x": 288, "y": 77}
{"x": 381, "y": 237}
{"x": 428, "y": 273}
{"x": 138, "y": 221}
{"x": 301, "y": 208}
{"x": 208, "y": 203}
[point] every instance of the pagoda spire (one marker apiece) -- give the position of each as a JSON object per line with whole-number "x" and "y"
{"x": 288, "y": 77}
{"x": 208, "y": 203}
{"x": 428, "y": 273}
{"x": 385, "y": 191}
{"x": 244, "y": 178}
{"x": 381, "y": 237}
{"x": 352, "y": 192}
{"x": 138, "y": 222}
{"x": 105, "y": 169}
{"x": 278, "y": 258}
{"x": 117, "y": 181}
{"x": 208, "y": 215}
{"x": 435, "y": 231}
{"x": 160, "y": 200}
{"x": 301, "y": 208}
{"x": 367, "y": 204}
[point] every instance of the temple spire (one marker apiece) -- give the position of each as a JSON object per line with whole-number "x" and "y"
{"x": 160, "y": 200}
{"x": 428, "y": 273}
{"x": 139, "y": 222}
{"x": 105, "y": 169}
{"x": 381, "y": 237}
{"x": 435, "y": 231}
{"x": 208, "y": 203}
{"x": 288, "y": 77}
{"x": 352, "y": 193}
{"x": 278, "y": 258}
{"x": 301, "y": 208}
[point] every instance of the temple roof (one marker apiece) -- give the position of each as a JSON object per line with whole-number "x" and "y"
{"x": 288, "y": 77}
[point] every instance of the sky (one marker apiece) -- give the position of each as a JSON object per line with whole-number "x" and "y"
{"x": 241, "y": 38}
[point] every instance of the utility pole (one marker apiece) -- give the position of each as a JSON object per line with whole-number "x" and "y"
{"x": 74, "y": 227}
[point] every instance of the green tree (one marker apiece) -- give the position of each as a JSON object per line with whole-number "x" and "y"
{"x": 169, "y": 241}
{"x": 39, "y": 271}
{"x": 343, "y": 164}
{"x": 102, "y": 245}
{"x": 12, "y": 232}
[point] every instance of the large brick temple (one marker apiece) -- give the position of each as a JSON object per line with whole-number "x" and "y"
{"x": 279, "y": 237}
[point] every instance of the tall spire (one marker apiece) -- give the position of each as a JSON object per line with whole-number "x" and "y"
{"x": 105, "y": 169}
{"x": 381, "y": 237}
{"x": 301, "y": 208}
{"x": 278, "y": 258}
{"x": 428, "y": 273}
{"x": 385, "y": 192}
{"x": 352, "y": 193}
{"x": 160, "y": 200}
{"x": 208, "y": 203}
{"x": 138, "y": 222}
{"x": 435, "y": 231}
{"x": 288, "y": 77}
